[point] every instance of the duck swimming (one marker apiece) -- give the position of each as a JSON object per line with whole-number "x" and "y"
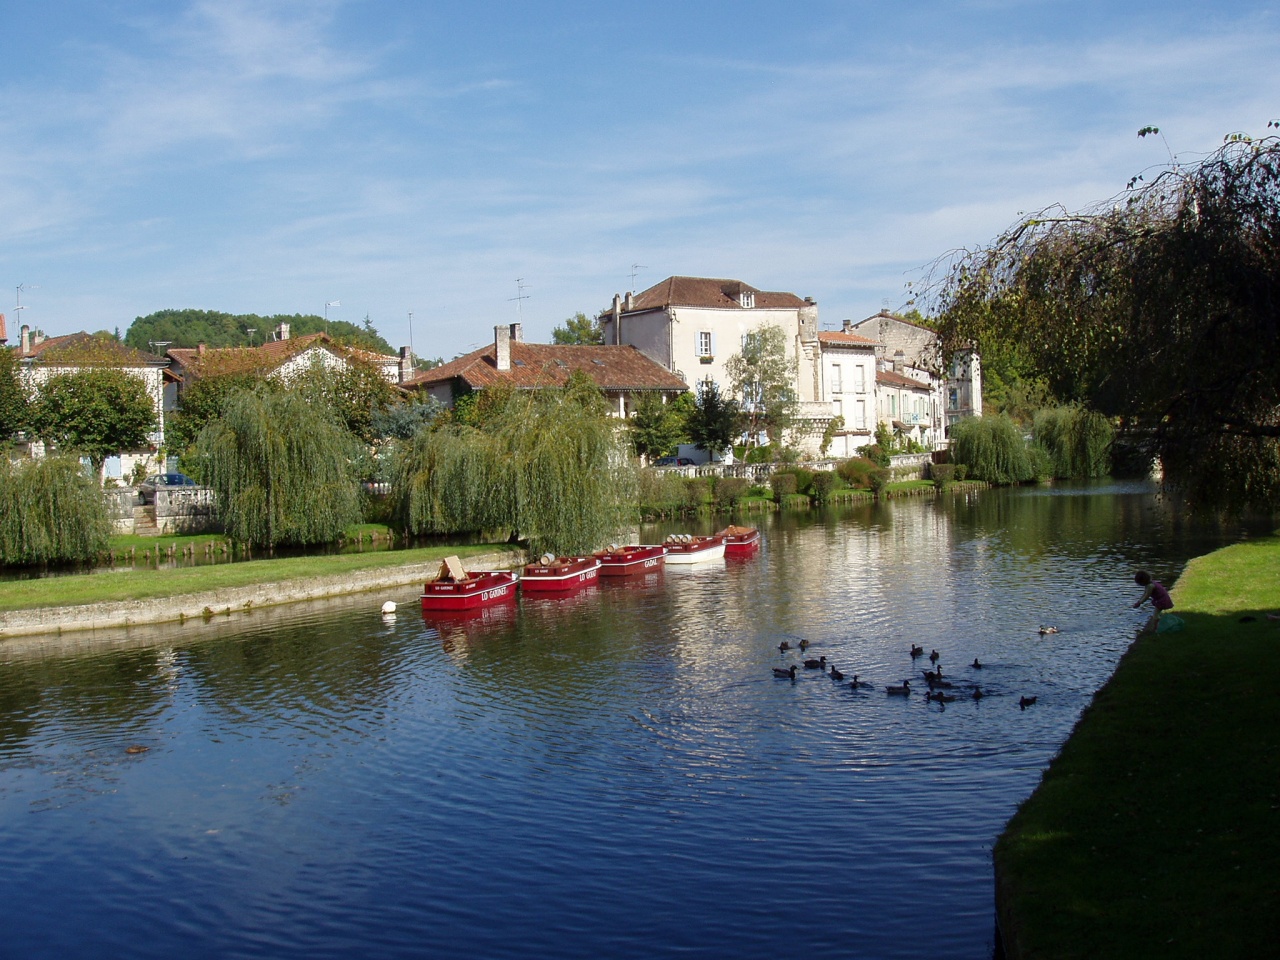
{"x": 787, "y": 674}
{"x": 855, "y": 683}
{"x": 976, "y": 665}
{"x": 916, "y": 651}
{"x": 1026, "y": 702}
{"x": 902, "y": 691}
{"x": 783, "y": 646}
{"x": 940, "y": 697}
{"x": 836, "y": 674}
{"x": 933, "y": 656}
{"x": 819, "y": 664}
{"x": 1045, "y": 631}
{"x": 804, "y": 644}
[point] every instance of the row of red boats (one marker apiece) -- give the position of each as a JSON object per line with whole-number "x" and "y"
{"x": 455, "y": 588}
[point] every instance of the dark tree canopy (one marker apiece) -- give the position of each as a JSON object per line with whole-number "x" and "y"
{"x": 713, "y": 422}
{"x": 1160, "y": 309}
{"x": 578, "y": 329}
{"x": 97, "y": 412}
{"x": 13, "y": 397}
{"x": 187, "y": 328}
{"x": 658, "y": 428}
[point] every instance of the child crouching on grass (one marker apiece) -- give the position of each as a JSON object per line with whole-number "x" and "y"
{"x": 1157, "y": 593}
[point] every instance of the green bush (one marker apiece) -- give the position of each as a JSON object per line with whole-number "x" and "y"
{"x": 803, "y": 478}
{"x": 697, "y": 492}
{"x": 993, "y": 448}
{"x": 756, "y": 490}
{"x": 1078, "y": 441}
{"x": 821, "y": 485}
{"x": 761, "y": 455}
{"x": 942, "y": 474}
{"x": 659, "y": 492}
{"x": 856, "y": 471}
{"x": 728, "y": 491}
{"x": 783, "y": 484}
{"x": 50, "y": 512}
{"x": 1041, "y": 462}
{"x": 962, "y": 471}
{"x": 878, "y": 480}
{"x": 877, "y": 454}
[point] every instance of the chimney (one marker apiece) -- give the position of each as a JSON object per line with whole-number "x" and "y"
{"x": 848, "y": 326}
{"x": 406, "y": 364}
{"x": 283, "y": 332}
{"x": 502, "y": 346}
{"x": 899, "y": 361}
{"x": 631, "y": 300}
{"x": 517, "y": 333}
{"x": 4, "y": 334}
{"x": 617, "y": 319}
{"x": 200, "y": 348}
{"x": 26, "y": 339}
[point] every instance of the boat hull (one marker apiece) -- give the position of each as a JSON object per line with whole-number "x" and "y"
{"x": 562, "y": 576}
{"x": 481, "y": 589}
{"x": 742, "y": 544}
{"x": 697, "y": 550}
{"x": 632, "y": 560}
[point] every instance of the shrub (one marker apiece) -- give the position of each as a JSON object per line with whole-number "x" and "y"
{"x": 728, "y": 491}
{"x": 758, "y": 491}
{"x": 993, "y": 448}
{"x": 943, "y": 474}
{"x": 660, "y": 492}
{"x": 761, "y": 454}
{"x": 962, "y": 471}
{"x": 878, "y": 480}
{"x": 697, "y": 492}
{"x": 821, "y": 485}
{"x": 783, "y": 484}
{"x": 50, "y": 512}
{"x": 1041, "y": 462}
{"x": 856, "y": 471}
{"x": 1078, "y": 441}
{"x": 803, "y": 478}
{"x": 876, "y": 454}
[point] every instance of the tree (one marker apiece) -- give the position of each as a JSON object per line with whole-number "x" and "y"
{"x": 187, "y": 328}
{"x": 1157, "y": 309}
{"x": 657, "y": 428}
{"x": 13, "y": 398}
{"x": 578, "y": 329}
{"x": 50, "y": 512}
{"x": 96, "y": 412}
{"x": 203, "y": 400}
{"x": 353, "y": 392}
{"x": 281, "y": 473}
{"x": 714, "y": 420}
{"x": 765, "y": 378}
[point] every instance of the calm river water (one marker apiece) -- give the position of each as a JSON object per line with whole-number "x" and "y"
{"x": 618, "y": 775}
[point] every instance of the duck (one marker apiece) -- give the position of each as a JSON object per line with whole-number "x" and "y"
{"x": 977, "y": 693}
{"x": 933, "y": 656}
{"x": 1045, "y": 631}
{"x": 787, "y": 674}
{"x": 932, "y": 676}
{"x": 940, "y": 697}
{"x": 855, "y": 683}
{"x": 836, "y": 674}
{"x": 976, "y": 665}
{"x": 1025, "y": 702}
{"x": 819, "y": 664}
{"x": 939, "y": 684}
{"x": 916, "y": 651}
{"x": 902, "y": 691}
{"x": 804, "y": 645}
{"x": 783, "y": 647}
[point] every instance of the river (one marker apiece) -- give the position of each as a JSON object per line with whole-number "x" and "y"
{"x": 615, "y": 775}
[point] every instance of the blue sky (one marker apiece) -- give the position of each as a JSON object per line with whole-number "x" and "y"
{"x": 270, "y": 157}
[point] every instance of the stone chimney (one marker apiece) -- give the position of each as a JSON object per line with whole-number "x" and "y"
{"x": 26, "y": 339}
{"x": 200, "y": 348}
{"x": 631, "y": 300}
{"x": 517, "y": 333}
{"x": 4, "y": 333}
{"x": 899, "y": 361}
{"x": 282, "y": 332}
{"x": 502, "y": 346}
{"x": 848, "y": 326}
{"x": 406, "y": 364}
{"x": 616, "y": 314}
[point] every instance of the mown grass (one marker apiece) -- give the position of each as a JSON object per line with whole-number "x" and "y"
{"x": 145, "y": 584}
{"x": 1156, "y": 831}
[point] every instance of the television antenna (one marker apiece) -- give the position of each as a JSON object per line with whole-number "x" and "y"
{"x": 520, "y": 296}
{"x": 410, "y": 334}
{"x": 18, "y": 307}
{"x": 327, "y": 305}
{"x": 251, "y": 331}
{"x": 636, "y": 268}
{"x": 159, "y": 345}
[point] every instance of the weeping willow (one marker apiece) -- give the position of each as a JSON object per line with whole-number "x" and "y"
{"x": 50, "y": 512}
{"x": 548, "y": 465}
{"x": 993, "y": 448}
{"x": 282, "y": 470}
{"x": 1078, "y": 441}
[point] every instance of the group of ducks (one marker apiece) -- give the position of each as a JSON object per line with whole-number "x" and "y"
{"x": 938, "y": 685}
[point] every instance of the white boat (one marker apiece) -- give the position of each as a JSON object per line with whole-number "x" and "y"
{"x": 687, "y": 548}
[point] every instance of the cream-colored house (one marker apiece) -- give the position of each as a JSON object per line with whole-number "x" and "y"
{"x": 848, "y": 385}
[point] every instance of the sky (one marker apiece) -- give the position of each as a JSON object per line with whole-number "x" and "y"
{"x": 485, "y": 163}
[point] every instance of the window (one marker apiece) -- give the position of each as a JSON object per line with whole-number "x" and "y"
{"x": 893, "y": 404}
{"x": 704, "y": 343}
{"x": 953, "y": 399}
{"x": 860, "y": 415}
{"x": 837, "y": 385}
{"x": 747, "y": 299}
{"x": 859, "y": 379}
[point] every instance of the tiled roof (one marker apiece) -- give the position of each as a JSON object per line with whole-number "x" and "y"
{"x": 86, "y": 349}
{"x": 886, "y": 315}
{"x": 549, "y": 365}
{"x": 708, "y": 292}
{"x": 266, "y": 357}
{"x": 840, "y": 339}
{"x": 893, "y": 379}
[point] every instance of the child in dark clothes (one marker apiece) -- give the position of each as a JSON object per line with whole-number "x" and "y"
{"x": 1157, "y": 593}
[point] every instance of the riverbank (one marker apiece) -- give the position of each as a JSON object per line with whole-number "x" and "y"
{"x": 100, "y": 601}
{"x": 1156, "y": 830}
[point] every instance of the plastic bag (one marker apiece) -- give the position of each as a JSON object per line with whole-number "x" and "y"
{"x": 1170, "y": 623}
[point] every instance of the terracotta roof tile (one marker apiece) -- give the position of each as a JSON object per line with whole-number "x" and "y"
{"x": 549, "y": 365}
{"x": 840, "y": 339}
{"x": 86, "y": 349}
{"x": 894, "y": 379}
{"x": 708, "y": 292}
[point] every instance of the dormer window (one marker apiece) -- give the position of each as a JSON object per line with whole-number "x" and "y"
{"x": 747, "y": 299}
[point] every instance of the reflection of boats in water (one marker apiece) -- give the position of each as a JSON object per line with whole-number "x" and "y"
{"x": 648, "y": 580}
{"x": 457, "y": 589}
{"x": 685, "y": 548}
{"x": 630, "y": 560}
{"x": 558, "y": 603}
{"x": 555, "y": 575}
{"x": 740, "y": 541}
{"x": 455, "y": 627}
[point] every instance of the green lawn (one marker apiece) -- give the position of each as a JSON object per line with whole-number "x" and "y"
{"x": 142, "y": 584}
{"x": 1156, "y": 831}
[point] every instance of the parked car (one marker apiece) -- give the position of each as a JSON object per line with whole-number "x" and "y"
{"x": 673, "y": 462}
{"x": 147, "y": 489}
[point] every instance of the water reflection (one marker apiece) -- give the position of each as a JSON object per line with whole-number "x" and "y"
{"x": 615, "y": 773}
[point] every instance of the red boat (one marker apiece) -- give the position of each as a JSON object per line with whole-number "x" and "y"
{"x": 552, "y": 574}
{"x": 687, "y": 548}
{"x": 625, "y": 561}
{"x": 456, "y": 589}
{"x": 740, "y": 541}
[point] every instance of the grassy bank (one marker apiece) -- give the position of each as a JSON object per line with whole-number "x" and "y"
{"x": 1156, "y": 831}
{"x": 149, "y": 584}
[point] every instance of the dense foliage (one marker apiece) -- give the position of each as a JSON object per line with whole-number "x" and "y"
{"x": 713, "y": 422}
{"x": 658, "y": 428}
{"x": 187, "y": 328}
{"x": 1161, "y": 308}
{"x": 549, "y": 466}
{"x": 578, "y": 329}
{"x": 281, "y": 468}
{"x": 50, "y": 512}
{"x": 13, "y": 397}
{"x": 96, "y": 411}
{"x": 1078, "y": 441}
{"x": 764, "y": 376}
{"x": 993, "y": 449}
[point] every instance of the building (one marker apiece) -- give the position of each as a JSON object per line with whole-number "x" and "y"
{"x": 848, "y": 384}
{"x": 40, "y": 357}
{"x": 623, "y": 373}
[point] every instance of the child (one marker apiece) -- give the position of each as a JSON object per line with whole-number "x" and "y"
{"x": 1155, "y": 592}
